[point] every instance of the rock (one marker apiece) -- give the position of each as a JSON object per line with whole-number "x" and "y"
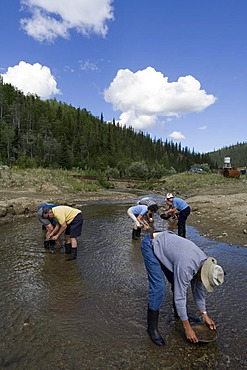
{"x": 3, "y": 211}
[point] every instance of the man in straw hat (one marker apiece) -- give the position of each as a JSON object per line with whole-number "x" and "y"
{"x": 184, "y": 264}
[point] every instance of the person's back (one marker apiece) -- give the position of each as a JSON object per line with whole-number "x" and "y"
{"x": 146, "y": 201}
{"x": 65, "y": 214}
{"x": 179, "y": 203}
{"x": 139, "y": 209}
{"x": 42, "y": 206}
{"x": 175, "y": 251}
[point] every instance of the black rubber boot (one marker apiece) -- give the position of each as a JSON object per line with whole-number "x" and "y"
{"x": 52, "y": 246}
{"x": 73, "y": 254}
{"x": 175, "y": 310}
{"x": 47, "y": 244}
{"x": 152, "y": 319}
{"x": 67, "y": 247}
{"x": 181, "y": 231}
{"x": 138, "y": 233}
{"x": 134, "y": 234}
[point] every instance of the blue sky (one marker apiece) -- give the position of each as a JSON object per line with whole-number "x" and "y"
{"x": 173, "y": 68}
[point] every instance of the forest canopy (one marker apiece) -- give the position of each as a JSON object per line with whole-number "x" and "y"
{"x": 48, "y": 133}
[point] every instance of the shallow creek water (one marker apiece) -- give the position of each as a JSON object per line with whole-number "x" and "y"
{"x": 91, "y": 313}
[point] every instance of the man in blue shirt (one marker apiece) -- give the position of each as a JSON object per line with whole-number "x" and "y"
{"x": 184, "y": 264}
{"x": 177, "y": 204}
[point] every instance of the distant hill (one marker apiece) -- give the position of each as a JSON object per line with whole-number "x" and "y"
{"x": 237, "y": 154}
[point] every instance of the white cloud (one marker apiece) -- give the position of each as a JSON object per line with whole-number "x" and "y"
{"x": 88, "y": 65}
{"x": 32, "y": 78}
{"x": 145, "y": 95}
{"x": 177, "y": 135}
{"x": 204, "y": 127}
{"x": 52, "y": 18}
{"x": 68, "y": 69}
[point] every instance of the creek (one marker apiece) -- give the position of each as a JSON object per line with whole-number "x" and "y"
{"x": 91, "y": 313}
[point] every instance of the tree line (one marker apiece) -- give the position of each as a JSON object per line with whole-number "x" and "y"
{"x": 38, "y": 133}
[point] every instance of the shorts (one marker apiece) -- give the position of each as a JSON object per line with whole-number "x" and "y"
{"x": 75, "y": 227}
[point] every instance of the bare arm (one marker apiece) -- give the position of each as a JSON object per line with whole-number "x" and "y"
{"x": 208, "y": 321}
{"x": 141, "y": 219}
{"x": 54, "y": 231}
{"x": 171, "y": 211}
{"x": 61, "y": 230}
{"x": 189, "y": 332}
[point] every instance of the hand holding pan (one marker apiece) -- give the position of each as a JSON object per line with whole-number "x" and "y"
{"x": 204, "y": 333}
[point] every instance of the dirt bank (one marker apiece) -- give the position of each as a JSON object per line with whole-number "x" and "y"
{"x": 218, "y": 212}
{"x": 221, "y": 217}
{"x": 17, "y": 203}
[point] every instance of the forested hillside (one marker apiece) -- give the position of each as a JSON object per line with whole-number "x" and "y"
{"x": 37, "y": 133}
{"x": 237, "y": 154}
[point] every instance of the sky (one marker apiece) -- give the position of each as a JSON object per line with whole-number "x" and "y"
{"x": 174, "y": 69}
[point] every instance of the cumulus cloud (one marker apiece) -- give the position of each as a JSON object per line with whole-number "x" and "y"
{"x": 52, "y": 18}
{"x": 32, "y": 78}
{"x": 146, "y": 95}
{"x": 204, "y": 127}
{"x": 177, "y": 135}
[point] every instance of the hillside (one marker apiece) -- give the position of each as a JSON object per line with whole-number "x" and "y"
{"x": 51, "y": 134}
{"x": 237, "y": 153}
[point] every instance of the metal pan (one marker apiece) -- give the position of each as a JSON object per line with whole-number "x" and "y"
{"x": 204, "y": 333}
{"x": 165, "y": 216}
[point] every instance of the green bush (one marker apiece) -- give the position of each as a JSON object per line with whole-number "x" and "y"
{"x": 26, "y": 162}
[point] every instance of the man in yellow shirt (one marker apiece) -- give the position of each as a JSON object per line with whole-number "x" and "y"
{"x": 69, "y": 220}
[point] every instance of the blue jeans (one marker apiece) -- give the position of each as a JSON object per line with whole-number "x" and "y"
{"x": 155, "y": 275}
{"x": 182, "y": 221}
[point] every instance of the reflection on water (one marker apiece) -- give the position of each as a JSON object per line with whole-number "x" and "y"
{"x": 91, "y": 313}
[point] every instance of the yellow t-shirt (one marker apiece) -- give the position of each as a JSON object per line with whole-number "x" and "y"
{"x": 65, "y": 214}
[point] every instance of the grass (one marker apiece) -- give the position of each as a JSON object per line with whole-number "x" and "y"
{"x": 190, "y": 184}
{"x": 40, "y": 178}
{"x": 187, "y": 184}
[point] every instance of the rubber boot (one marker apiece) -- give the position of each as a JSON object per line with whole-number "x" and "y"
{"x": 175, "y": 310}
{"x": 52, "y": 246}
{"x": 139, "y": 232}
{"x": 181, "y": 230}
{"x": 46, "y": 244}
{"x": 73, "y": 254}
{"x": 134, "y": 234}
{"x": 67, "y": 247}
{"x": 152, "y": 319}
